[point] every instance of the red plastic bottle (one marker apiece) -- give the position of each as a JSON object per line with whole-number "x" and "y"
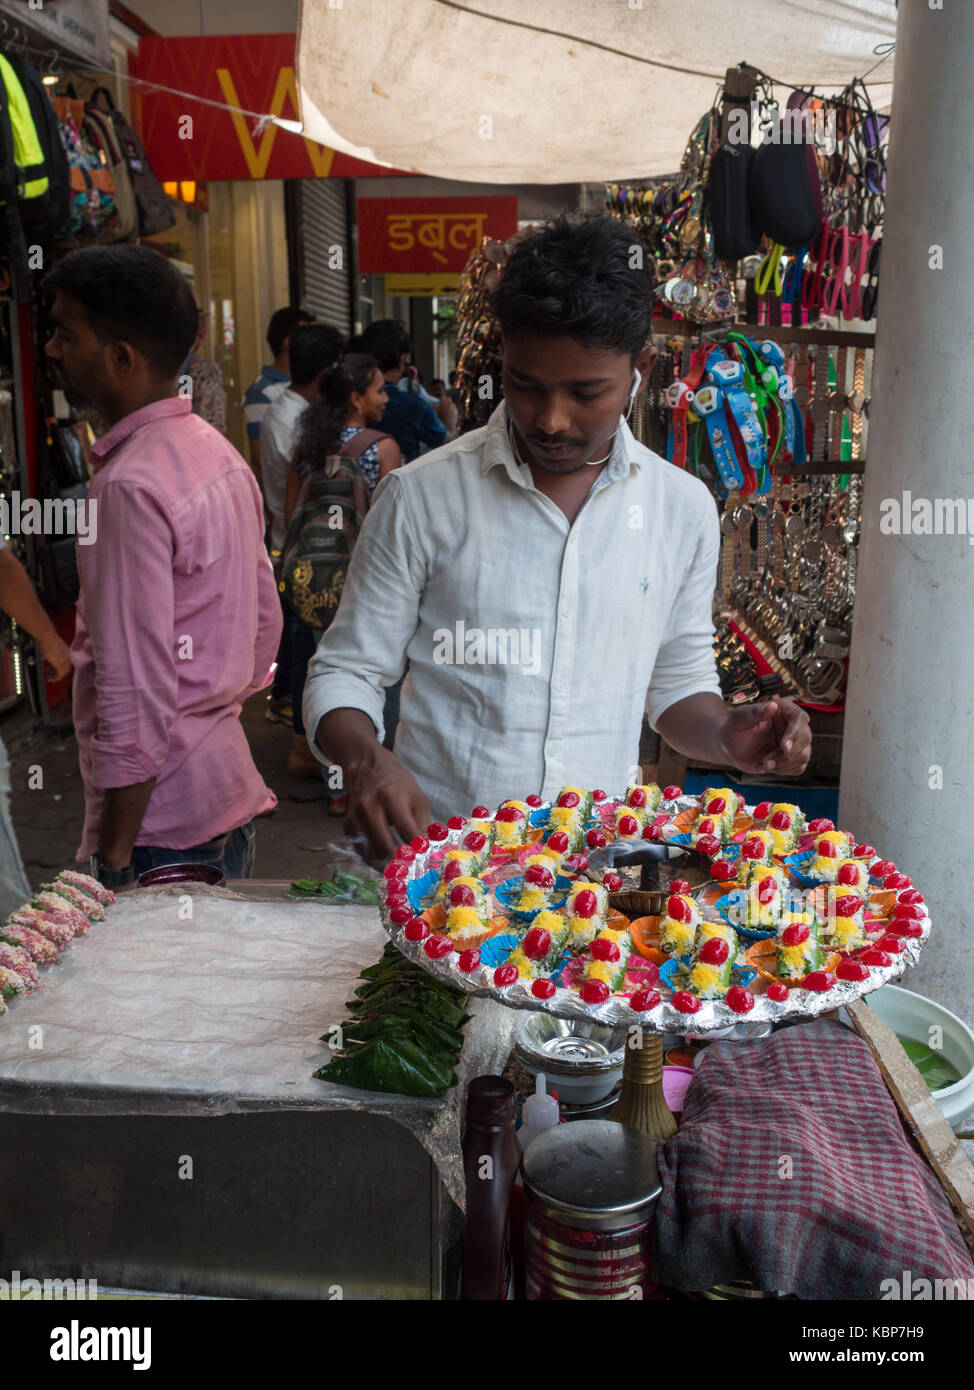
{"x": 490, "y": 1159}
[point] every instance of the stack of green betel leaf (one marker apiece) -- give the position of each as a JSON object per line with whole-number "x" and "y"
{"x": 404, "y": 1034}
{"x": 340, "y": 888}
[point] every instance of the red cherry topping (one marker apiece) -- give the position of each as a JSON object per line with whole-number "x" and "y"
{"x": 396, "y": 868}
{"x": 603, "y": 949}
{"x": 468, "y": 960}
{"x": 462, "y": 896}
{"x": 680, "y": 885}
{"x": 637, "y": 797}
{"x": 505, "y": 975}
{"x": 818, "y": 980}
{"x": 781, "y": 820}
{"x": 612, "y": 883}
{"x": 795, "y": 934}
{"x": 890, "y": 943}
{"x": 543, "y": 989}
{"x": 535, "y": 800}
{"x": 777, "y": 991}
{"x": 400, "y": 915}
{"x": 912, "y": 912}
{"x": 672, "y": 792}
{"x": 902, "y": 928}
{"x": 717, "y": 805}
{"x": 406, "y": 853}
{"x": 585, "y": 904}
{"x": 820, "y": 825}
{"x": 652, "y": 832}
{"x": 863, "y": 852}
{"x": 847, "y": 906}
{"x": 686, "y": 1002}
{"x": 508, "y": 814}
{"x": 537, "y": 943}
{"x": 436, "y": 831}
{"x": 454, "y": 869}
{"x": 739, "y": 999}
{"x": 872, "y": 956}
{"x": 911, "y": 895}
{"x": 598, "y": 794}
{"x": 475, "y": 841}
{"x": 849, "y": 969}
{"x": 679, "y": 910}
{"x": 416, "y": 930}
{"x": 708, "y": 844}
{"x": 420, "y": 844}
{"x": 752, "y": 849}
{"x": 894, "y": 881}
{"x": 767, "y": 891}
{"x": 436, "y": 947}
{"x": 577, "y": 863}
{"x": 714, "y": 951}
{"x": 558, "y": 842}
{"x": 722, "y": 869}
{"x": 882, "y": 867}
{"x": 569, "y": 799}
{"x": 456, "y": 822}
{"x": 540, "y": 876}
{"x": 707, "y": 826}
{"x": 479, "y": 812}
{"x": 396, "y": 895}
{"x": 762, "y": 810}
{"x": 596, "y": 838}
{"x": 826, "y": 850}
{"x": 645, "y": 999}
{"x": 627, "y": 825}
{"x": 594, "y": 991}
{"x": 848, "y": 874}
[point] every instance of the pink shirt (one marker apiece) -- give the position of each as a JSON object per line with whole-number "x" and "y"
{"x": 178, "y": 622}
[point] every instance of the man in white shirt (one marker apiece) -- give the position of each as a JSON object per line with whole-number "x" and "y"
{"x": 314, "y": 350}
{"x": 547, "y": 577}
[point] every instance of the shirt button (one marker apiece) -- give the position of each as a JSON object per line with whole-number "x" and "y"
{"x": 566, "y": 612}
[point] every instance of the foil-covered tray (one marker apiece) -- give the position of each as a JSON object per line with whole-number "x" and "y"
{"x": 617, "y": 1011}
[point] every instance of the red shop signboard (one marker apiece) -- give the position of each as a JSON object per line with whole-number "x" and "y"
{"x": 428, "y": 234}
{"x": 190, "y": 139}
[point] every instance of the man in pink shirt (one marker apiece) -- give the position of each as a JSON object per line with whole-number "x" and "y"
{"x": 178, "y": 618}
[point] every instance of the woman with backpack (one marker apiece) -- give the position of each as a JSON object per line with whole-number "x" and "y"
{"x": 341, "y": 423}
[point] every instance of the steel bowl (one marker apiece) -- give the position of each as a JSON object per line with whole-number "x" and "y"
{"x": 583, "y": 1060}
{"x": 182, "y": 873}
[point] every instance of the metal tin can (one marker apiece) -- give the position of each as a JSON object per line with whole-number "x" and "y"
{"x": 590, "y": 1190}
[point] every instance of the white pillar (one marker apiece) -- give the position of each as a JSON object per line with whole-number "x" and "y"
{"x": 908, "y": 758}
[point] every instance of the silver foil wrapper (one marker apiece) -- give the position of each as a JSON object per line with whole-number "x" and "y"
{"x": 616, "y": 1011}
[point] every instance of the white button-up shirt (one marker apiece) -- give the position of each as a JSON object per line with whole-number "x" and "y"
{"x": 534, "y": 644}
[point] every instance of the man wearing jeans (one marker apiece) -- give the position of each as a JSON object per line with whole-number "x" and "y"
{"x": 178, "y": 618}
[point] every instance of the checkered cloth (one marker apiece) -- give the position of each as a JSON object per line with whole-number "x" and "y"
{"x": 792, "y": 1170}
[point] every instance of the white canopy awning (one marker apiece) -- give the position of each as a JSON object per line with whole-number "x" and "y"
{"x": 560, "y": 91}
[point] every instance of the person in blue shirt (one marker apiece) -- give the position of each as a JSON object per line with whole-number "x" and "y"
{"x": 412, "y": 423}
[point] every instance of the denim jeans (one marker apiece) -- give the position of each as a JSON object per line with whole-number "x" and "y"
{"x": 233, "y": 853}
{"x": 304, "y": 641}
{"x": 14, "y": 888}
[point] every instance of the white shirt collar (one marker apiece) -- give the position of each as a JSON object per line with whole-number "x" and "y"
{"x": 497, "y": 451}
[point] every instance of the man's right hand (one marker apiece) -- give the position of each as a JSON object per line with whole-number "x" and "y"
{"x": 386, "y": 804}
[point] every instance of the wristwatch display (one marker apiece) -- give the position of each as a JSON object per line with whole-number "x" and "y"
{"x": 111, "y": 878}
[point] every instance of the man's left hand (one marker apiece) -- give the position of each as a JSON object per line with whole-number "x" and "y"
{"x": 772, "y": 737}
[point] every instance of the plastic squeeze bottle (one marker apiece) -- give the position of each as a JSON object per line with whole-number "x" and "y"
{"x": 540, "y": 1113}
{"x": 490, "y": 1159}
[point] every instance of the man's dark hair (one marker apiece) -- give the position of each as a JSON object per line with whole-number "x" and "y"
{"x": 386, "y": 340}
{"x": 314, "y": 348}
{"x": 573, "y": 278}
{"x": 283, "y": 323}
{"x": 135, "y": 295}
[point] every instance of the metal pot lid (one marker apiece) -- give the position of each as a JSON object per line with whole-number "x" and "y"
{"x": 593, "y": 1165}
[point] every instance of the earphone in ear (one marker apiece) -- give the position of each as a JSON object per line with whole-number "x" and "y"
{"x": 636, "y": 384}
